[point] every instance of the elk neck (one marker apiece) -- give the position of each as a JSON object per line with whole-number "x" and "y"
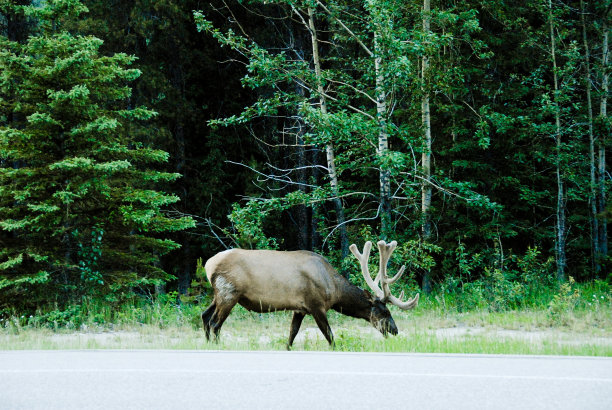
{"x": 351, "y": 300}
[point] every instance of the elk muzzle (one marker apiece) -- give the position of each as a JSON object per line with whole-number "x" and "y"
{"x": 390, "y": 327}
{"x": 385, "y": 325}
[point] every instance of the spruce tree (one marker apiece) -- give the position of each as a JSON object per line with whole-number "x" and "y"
{"x": 81, "y": 209}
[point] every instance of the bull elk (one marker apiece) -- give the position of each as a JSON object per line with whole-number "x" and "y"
{"x": 267, "y": 281}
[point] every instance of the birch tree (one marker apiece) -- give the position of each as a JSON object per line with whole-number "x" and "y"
{"x": 329, "y": 147}
{"x": 426, "y": 189}
{"x": 592, "y": 163}
{"x": 560, "y": 206}
{"x": 603, "y": 138}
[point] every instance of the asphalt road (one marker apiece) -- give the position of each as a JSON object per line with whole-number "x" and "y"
{"x": 153, "y": 379}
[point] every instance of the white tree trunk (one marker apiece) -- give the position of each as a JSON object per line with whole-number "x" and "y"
{"x": 592, "y": 163}
{"x": 383, "y": 140}
{"x": 426, "y": 190}
{"x": 329, "y": 148}
{"x": 560, "y": 228}
{"x": 603, "y": 112}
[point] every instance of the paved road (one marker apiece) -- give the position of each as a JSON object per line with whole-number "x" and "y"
{"x": 298, "y": 380}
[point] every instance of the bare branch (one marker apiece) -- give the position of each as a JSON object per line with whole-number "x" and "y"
{"x": 348, "y": 30}
{"x": 352, "y": 87}
{"x": 297, "y": 168}
{"x": 210, "y": 226}
{"x": 283, "y": 179}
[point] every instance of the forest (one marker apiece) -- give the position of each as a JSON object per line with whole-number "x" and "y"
{"x": 140, "y": 137}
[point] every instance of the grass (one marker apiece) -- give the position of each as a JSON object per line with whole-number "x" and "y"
{"x": 584, "y": 332}
{"x": 571, "y": 320}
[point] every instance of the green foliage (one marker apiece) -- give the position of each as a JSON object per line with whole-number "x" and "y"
{"x": 200, "y": 290}
{"x": 565, "y": 301}
{"x": 524, "y": 282}
{"x": 103, "y": 106}
{"x": 89, "y": 254}
{"x": 501, "y": 291}
{"x": 288, "y": 94}
{"x": 70, "y": 318}
{"x": 80, "y": 209}
{"x": 200, "y": 270}
{"x": 248, "y": 222}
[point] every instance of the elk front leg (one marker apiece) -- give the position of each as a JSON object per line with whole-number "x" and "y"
{"x": 295, "y": 327}
{"x": 321, "y": 320}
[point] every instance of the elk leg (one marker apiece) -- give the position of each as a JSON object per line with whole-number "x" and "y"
{"x": 221, "y": 313}
{"x": 207, "y": 317}
{"x": 295, "y": 327}
{"x": 225, "y": 299}
{"x": 321, "y": 320}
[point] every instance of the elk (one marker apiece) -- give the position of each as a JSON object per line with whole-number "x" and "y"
{"x": 304, "y": 282}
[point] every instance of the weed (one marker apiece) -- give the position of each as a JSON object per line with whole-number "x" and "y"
{"x": 564, "y": 302}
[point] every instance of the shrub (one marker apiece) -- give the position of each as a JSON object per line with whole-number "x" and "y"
{"x": 564, "y": 302}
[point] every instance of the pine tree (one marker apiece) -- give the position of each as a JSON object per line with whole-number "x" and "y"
{"x": 80, "y": 199}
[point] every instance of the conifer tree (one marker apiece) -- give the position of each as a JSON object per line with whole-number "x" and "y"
{"x": 80, "y": 199}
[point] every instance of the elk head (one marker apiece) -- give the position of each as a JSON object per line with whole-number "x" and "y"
{"x": 380, "y": 317}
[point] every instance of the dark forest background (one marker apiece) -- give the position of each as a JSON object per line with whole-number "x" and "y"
{"x": 137, "y": 136}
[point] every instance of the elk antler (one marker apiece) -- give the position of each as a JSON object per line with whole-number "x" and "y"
{"x": 383, "y": 294}
{"x": 363, "y": 260}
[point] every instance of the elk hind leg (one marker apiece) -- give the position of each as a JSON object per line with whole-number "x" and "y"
{"x": 221, "y": 313}
{"x": 207, "y": 318}
{"x": 226, "y": 298}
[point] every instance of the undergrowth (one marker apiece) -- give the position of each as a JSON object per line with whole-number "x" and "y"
{"x": 558, "y": 304}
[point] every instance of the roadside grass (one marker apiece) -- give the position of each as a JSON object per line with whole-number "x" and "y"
{"x": 569, "y": 320}
{"x": 427, "y": 329}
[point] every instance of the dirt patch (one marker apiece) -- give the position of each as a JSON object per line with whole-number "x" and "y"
{"x": 523, "y": 335}
{"x": 101, "y": 337}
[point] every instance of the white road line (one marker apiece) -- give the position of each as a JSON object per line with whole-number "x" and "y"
{"x": 308, "y": 372}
